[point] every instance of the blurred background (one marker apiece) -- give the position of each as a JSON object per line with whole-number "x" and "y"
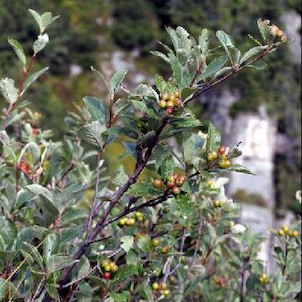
{"x": 262, "y": 110}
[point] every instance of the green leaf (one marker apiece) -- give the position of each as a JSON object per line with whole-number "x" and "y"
{"x": 213, "y": 68}
{"x": 127, "y": 243}
{"x": 120, "y": 297}
{"x": 161, "y": 55}
{"x": 132, "y": 257}
{"x": 259, "y": 65}
{"x": 116, "y": 80}
{"x": 18, "y": 50}
{"x": 37, "y": 18}
{"x": 33, "y": 253}
{"x": 143, "y": 107}
{"x": 204, "y": 42}
{"x": 124, "y": 272}
{"x": 160, "y": 84}
{"x": 184, "y": 204}
{"x": 222, "y": 71}
{"x": 120, "y": 105}
{"x": 100, "y": 76}
{"x": 147, "y": 91}
{"x": 177, "y": 70}
{"x": 47, "y": 19}
{"x": 213, "y": 138}
{"x": 39, "y": 190}
{"x": 236, "y": 55}
{"x": 32, "y": 78}
{"x": 224, "y": 39}
{"x": 143, "y": 189}
{"x": 92, "y": 133}
{"x": 8, "y": 90}
{"x": 187, "y": 93}
{"x": 40, "y": 43}
{"x": 98, "y": 109}
{"x": 22, "y": 198}
{"x": 59, "y": 261}
{"x": 51, "y": 246}
{"x": 240, "y": 169}
{"x": 251, "y": 53}
{"x": 264, "y": 28}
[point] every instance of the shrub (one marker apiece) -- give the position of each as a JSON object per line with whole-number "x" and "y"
{"x": 71, "y": 231}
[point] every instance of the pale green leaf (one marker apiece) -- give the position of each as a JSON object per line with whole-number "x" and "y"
{"x": 213, "y": 68}
{"x": 252, "y": 52}
{"x": 32, "y": 78}
{"x": 98, "y": 110}
{"x": 127, "y": 243}
{"x": 92, "y": 133}
{"x": 40, "y": 43}
{"x": 8, "y": 90}
{"x": 18, "y": 50}
{"x": 59, "y": 261}
{"x": 116, "y": 80}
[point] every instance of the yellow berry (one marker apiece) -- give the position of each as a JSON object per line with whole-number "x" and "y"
{"x": 165, "y": 249}
{"x": 295, "y": 233}
{"x": 176, "y": 93}
{"x": 163, "y": 104}
{"x": 166, "y": 292}
{"x": 165, "y": 96}
{"x": 170, "y": 104}
{"x": 155, "y": 286}
{"x": 155, "y": 241}
{"x": 113, "y": 267}
{"x": 172, "y": 98}
{"x": 281, "y": 232}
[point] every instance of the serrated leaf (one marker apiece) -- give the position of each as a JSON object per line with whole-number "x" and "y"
{"x": 18, "y": 50}
{"x": 51, "y": 246}
{"x": 98, "y": 109}
{"x": 58, "y": 261}
{"x": 184, "y": 204}
{"x": 124, "y": 272}
{"x": 259, "y": 65}
{"x": 120, "y": 105}
{"x": 161, "y": 84}
{"x": 161, "y": 55}
{"x": 40, "y": 43}
{"x": 47, "y": 19}
{"x": 252, "y": 52}
{"x": 39, "y": 190}
{"x": 177, "y": 70}
{"x": 213, "y": 138}
{"x": 32, "y": 78}
{"x": 100, "y": 76}
{"x": 204, "y": 42}
{"x": 241, "y": 169}
{"x": 264, "y": 28}
{"x": 120, "y": 297}
{"x": 37, "y": 18}
{"x": 143, "y": 189}
{"x": 143, "y": 107}
{"x": 213, "y": 68}
{"x": 222, "y": 71}
{"x": 224, "y": 39}
{"x": 127, "y": 243}
{"x": 92, "y": 133}
{"x": 8, "y": 90}
{"x": 116, "y": 80}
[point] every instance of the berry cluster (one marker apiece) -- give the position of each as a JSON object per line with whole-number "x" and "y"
{"x": 277, "y": 32}
{"x": 130, "y": 221}
{"x": 161, "y": 288}
{"x": 220, "y": 157}
{"x": 170, "y": 101}
{"x": 108, "y": 267}
{"x": 218, "y": 203}
{"x": 263, "y": 278}
{"x": 173, "y": 183}
{"x": 285, "y": 231}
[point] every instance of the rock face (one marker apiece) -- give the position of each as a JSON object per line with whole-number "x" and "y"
{"x": 257, "y": 137}
{"x": 292, "y": 27}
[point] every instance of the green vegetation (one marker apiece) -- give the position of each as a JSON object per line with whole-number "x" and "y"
{"x": 138, "y": 24}
{"x": 73, "y": 229}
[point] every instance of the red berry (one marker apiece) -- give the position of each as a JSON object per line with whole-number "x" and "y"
{"x": 170, "y": 184}
{"x": 169, "y": 110}
{"x": 106, "y": 276}
{"x": 221, "y": 150}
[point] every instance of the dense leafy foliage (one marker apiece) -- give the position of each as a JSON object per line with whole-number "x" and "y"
{"x": 72, "y": 231}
